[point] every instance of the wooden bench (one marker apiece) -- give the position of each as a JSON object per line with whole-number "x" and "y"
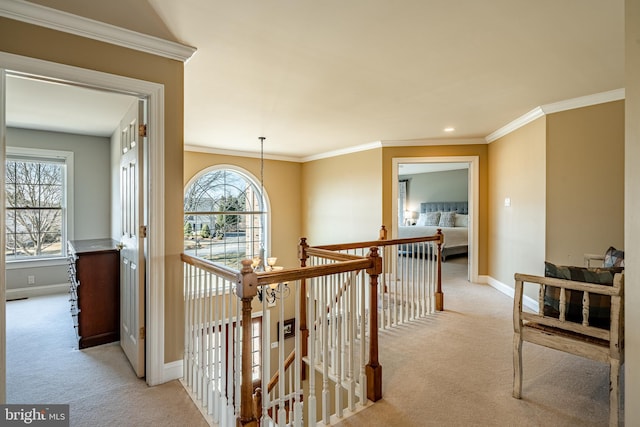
{"x": 604, "y": 345}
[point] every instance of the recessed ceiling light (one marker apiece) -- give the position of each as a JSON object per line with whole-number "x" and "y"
{"x": 449, "y": 129}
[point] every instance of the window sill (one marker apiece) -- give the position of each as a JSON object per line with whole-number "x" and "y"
{"x": 35, "y": 263}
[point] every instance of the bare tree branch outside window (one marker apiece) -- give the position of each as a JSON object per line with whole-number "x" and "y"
{"x": 35, "y": 196}
{"x": 224, "y": 218}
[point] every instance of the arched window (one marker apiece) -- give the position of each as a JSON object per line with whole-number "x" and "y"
{"x": 225, "y": 217}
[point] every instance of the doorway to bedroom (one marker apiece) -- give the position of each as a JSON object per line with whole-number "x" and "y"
{"x": 439, "y": 193}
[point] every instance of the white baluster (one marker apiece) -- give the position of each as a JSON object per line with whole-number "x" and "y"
{"x": 266, "y": 359}
{"x": 363, "y": 339}
{"x": 339, "y": 345}
{"x": 208, "y": 348}
{"x": 282, "y": 412}
{"x": 188, "y": 271}
{"x": 324, "y": 328}
{"x": 311, "y": 321}
{"x": 353, "y": 291}
{"x": 217, "y": 322}
{"x": 237, "y": 340}
{"x": 297, "y": 404}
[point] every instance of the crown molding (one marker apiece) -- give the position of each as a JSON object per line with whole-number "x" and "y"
{"x": 432, "y": 141}
{"x": 568, "y": 104}
{"x": 249, "y": 154}
{"x": 527, "y": 118}
{"x": 343, "y": 151}
{"x": 584, "y": 101}
{"x": 43, "y": 16}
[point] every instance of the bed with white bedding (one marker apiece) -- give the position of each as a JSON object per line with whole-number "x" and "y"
{"x": 450, "y": 217}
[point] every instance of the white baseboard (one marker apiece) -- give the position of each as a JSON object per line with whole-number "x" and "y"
{"x": 172, "y": 371}
{"x": 528, "y": 302}
{"x": 36, "y": 291}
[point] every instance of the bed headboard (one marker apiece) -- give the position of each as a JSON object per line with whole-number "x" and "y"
{"x": 459, "y": 207}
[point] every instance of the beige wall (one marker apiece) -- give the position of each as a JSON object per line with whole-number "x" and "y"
{"x": 282, "y": 183}
{"x": 564, "y": 175}
{"x": 585, "y": 182}
{"x": 42, "y": 43}
{"x": 479, "y": 150}
{"x": 341, "y": 199}
{"x": 632, "y": 210}
{"x": 517, "y": 233}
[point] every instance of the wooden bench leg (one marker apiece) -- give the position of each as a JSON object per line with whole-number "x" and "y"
{"x": 614, "y": 392}
{"x": 517, "y": 366}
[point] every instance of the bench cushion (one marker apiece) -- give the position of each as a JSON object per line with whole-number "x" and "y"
{"x": 599, "y": 305}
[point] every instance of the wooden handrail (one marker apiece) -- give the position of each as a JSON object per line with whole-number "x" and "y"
{"x": 378, "y": 243}
{"x": 329, "y": 254}
{"x": 292, "y": 274}
{"x": 225, "y": 272}
{"x": 348, "y": 263}
{"x": 276, "y": 377}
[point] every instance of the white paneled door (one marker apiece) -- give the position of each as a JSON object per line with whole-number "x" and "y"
{"x": 132, "y": 262}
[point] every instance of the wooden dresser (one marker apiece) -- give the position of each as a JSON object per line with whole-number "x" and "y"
{"x": 94, "y": 276}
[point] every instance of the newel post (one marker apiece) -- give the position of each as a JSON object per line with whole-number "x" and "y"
{"x": 373, "y": 368}
{"x": 383, "y": 233}
{"x": 439, "y": 294}
{"x": 247, "y": 289}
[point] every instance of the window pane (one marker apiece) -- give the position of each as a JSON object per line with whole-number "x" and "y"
{"x": 50, "y": 221}
{"x": 26, "y": 195}
{"x": 50, "y": 173}
{"x": 51, "y": 196}
{"x": 51, "y": 244}
{"x": 26, "y": 173}
{"x": 34, "y": 214}
{"x": 229, "y": 231}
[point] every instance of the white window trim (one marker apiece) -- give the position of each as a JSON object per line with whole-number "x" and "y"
{"x": 67, "y": 233}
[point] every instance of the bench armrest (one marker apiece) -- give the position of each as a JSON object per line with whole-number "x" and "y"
{"x": 589, "y": 258}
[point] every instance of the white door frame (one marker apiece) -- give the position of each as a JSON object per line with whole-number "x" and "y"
{"x": 474, "y": 200}
{"x": 154, "y": 93}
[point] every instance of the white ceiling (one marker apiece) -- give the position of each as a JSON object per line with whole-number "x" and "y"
{"x": 46, "y": 105}
{"x": 316, "y": 76}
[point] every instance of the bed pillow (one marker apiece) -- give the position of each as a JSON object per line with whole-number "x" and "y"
{"x": 599, "y": 305}
{"x": 462, "y": 220}
{"x": 432, "y": 218}
{"x": 447, "y": 219}
{"x": 613, "y": 258}
{"x": 422, "y": 220}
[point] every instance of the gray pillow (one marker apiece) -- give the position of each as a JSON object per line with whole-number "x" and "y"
{"x": 433, "y": 218}
{"x": 447, "y": 219}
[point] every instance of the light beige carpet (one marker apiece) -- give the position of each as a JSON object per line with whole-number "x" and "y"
{"x": 45, "y": 366}
{"x": 451, "y": 369}
{"x": 456, "y": 369}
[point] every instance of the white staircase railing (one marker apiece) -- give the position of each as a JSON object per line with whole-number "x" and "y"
{"x": 306, "y": 349}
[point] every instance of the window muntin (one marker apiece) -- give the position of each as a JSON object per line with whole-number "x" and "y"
{"x": 224, "y": 217}
{"x": 35, "y": 188}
